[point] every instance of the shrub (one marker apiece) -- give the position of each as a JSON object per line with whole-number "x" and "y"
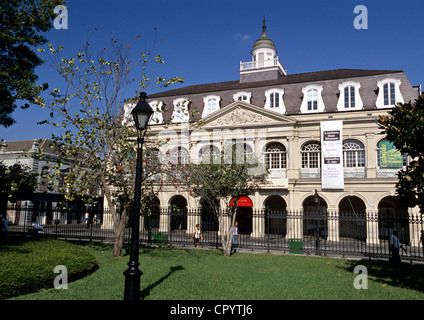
{"x": 26, "y": 265}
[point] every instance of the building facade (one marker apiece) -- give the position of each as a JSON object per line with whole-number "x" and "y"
{"x": 281, "y": 118}
{"x": 46, "y": 204}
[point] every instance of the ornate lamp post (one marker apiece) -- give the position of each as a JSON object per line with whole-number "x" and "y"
{"x": 141, "y": 114}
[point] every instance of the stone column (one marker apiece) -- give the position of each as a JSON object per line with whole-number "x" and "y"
{"x": 333, "y": 225}
{"x": 372, "y": 226}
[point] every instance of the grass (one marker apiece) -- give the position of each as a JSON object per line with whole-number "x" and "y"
{"x": 27, "y": 265}
{"x": 196, "y": 274}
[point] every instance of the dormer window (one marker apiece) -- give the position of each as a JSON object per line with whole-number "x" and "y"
{"x": 312, "y": 100}
{"x": 388, "y": 93}
{"x": 349, "y": 98}
{"x": 242, "y": 96}
{"x": 180, "y": 113}
{"x": 157, "y": 117}
{"x": 211, "y": 104}
{"x": 274, "y": 100}
{"x": 312, "y": 97}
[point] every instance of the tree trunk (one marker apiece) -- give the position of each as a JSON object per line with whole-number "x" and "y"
{"x": 118, "y": 239}
{"x": 227, "y": 234}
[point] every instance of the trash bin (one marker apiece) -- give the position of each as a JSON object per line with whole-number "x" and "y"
{"x": 160, "y": 238}
{"x": 295, "y": 246}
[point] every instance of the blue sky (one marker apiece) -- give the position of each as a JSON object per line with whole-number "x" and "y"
{"x": 205, "y": 40}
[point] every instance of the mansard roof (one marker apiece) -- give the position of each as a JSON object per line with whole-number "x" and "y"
{"x": 288, "y": 79}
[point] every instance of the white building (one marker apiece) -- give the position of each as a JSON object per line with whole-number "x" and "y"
{"x": 282, "y": 118}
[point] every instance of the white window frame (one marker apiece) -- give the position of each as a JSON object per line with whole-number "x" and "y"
{"x": 380, "y": 98}
{"x": 358, "y": 101}
{"x": 275, "y": 156}
{"x": 157, "y": 117}
{"x": 238, "y": 95}
{"x": 320, "y": 102}
{"x": 353, "y": 154}
{"x": 311, "y": 155}
{"x": 281, "y": 106}
{"x": 180, "y": 113}
{"x": 206, "y": 101}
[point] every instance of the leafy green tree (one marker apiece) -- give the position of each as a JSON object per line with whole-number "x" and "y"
{"x": 16, "y": 182}
{"x": 90, "y": 111}
{"x": 404, "y": 127}
{"x": 21, "y": 25}
{"x": 222, "y": 180}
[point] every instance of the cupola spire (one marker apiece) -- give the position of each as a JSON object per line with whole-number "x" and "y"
{"x": 264, "y": 26}
{"x": 265, "y": 64}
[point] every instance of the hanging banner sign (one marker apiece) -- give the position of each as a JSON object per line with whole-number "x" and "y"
{"x": 390, "y": 157}
{"x": 332, "y": 155}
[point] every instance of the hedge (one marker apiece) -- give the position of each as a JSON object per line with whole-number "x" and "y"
{"x": 27, "y": 265}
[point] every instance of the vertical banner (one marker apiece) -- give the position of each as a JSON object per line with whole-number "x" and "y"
{"x": 332, "y": 154}
{"x": 390, "y": 157}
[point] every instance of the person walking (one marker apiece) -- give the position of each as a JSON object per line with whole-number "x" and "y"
{"x": 236, "y": 238}
{"x": 197, "y": 236}
{"x": 395, "y": 246}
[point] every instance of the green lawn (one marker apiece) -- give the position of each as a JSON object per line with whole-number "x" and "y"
{"x": 205, "y": 274}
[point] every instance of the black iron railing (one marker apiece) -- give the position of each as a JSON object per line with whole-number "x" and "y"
{"x": 365, "y": 234}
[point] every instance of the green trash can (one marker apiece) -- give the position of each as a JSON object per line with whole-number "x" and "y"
{"x": 295, "y": 246}
{"x": 160, "y": 238}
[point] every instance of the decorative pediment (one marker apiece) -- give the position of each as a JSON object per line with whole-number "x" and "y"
{"x": 242, "y": 114}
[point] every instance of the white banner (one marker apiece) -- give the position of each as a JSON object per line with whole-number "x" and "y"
{"x": 332, "y": 154}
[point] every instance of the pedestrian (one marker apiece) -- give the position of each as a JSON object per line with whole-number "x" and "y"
{"x": 3, "y": 227}
{"x": 395, "y": 247}
{"x": 197, "y": 236}
{"x": 236, "y": 238}
{"x": 86, "y": 219}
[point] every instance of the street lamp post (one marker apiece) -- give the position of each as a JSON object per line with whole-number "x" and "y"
{"x": 317, "y": 201}
{"x": 141, "y": 114}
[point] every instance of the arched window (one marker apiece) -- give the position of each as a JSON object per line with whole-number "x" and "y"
{"x": 275, "y": 156}
{"x": 178, "y": 156}
{"x": 353, "y": 154}
{"x": 311, "y": 155}
{"x": 208, "y": 153}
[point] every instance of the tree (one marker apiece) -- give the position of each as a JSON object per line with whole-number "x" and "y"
{"x": 16, "y": 182}
{"x": 404, "y": 127}
{"x": 21, "y": 22}
{"x": 90, "y": 111}
{"x": 222, "y": 181}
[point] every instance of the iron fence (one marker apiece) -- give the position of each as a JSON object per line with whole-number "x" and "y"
{"x": 363, "y": 234}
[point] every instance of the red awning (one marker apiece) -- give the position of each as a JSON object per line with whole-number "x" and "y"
{"x": 242, "y": 202}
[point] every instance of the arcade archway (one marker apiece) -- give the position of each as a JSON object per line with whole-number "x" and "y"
{"x": 393, "y": 216}
{"x": 275, "y": 215}
{"x": 244, "y": 215}
{"x": 352, "y": 218}
{"x": 178, "y": 206}
{"x": 315, "y": 217}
